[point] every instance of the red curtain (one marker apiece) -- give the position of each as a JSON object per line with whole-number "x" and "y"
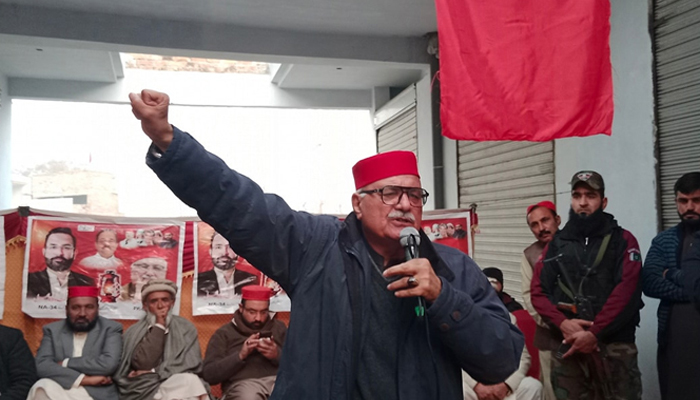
{"x": 531, "y": 70}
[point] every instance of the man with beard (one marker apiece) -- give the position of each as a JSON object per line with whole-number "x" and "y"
{"x": 54, "y": 281}
{"x": 670, "y": 274}
{"x": 244, "y": 355}
{"x": 106, "y": 244}
{"x": 544, "y": 222}
{"x": 588, "y": 289}
{"x": 459, "y": 232}
{"x": 224, "y": 280}
{"x": 168, "y": 242}
{"x": 78, "y": 355}
{"x": 161, "y": 357}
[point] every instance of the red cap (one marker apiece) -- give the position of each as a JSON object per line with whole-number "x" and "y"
{"x": 254, "y": 292}
{"x": 82, "y": 291}
{"x": 384, "y": 165}
{"x": 545, "y": 204}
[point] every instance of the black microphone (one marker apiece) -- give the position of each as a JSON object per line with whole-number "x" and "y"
{"x": 410, "y": 240}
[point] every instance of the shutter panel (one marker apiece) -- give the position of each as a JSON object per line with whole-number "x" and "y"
{"x": 503, "y": 178}
{"x": 677, "y": 64}
{"x": 401, "y": 133}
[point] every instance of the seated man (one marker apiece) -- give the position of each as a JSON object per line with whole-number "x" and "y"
{"x": 17, "y": 367}
{"x": 161, "y": 357}
{"x": 495, "y": 277}
{"x": 244, "y": 355}
{"x": 518, "y": 386}
{"x": 78, "y": 355}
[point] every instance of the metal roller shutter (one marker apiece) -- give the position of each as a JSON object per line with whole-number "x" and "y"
{"x": 400, "y": 133}
{"x": 677, "y": 67}
{"x": 503, "y": 178}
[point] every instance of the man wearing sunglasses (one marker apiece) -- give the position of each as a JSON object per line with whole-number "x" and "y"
{"x": 366, "y": 323}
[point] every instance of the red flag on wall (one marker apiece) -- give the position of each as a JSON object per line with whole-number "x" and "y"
{"x": 524, "y": 69}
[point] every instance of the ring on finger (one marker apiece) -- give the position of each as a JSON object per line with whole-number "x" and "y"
{"x": 412, "y": 281}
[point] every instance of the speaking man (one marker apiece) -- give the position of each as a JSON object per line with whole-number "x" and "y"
{"x": 367, "y": 323}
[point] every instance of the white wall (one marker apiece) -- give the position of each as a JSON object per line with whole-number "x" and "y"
{"x": 424, "y": 125}
{"x": 626, "y": 159}
{"x": 5, "y": 130}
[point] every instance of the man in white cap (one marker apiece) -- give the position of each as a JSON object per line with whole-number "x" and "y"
{"x": 244, "y": 354}
{"x": 79, "y": 354}
{"x": 367, "y": 323}
{"x": 161, "y": 358}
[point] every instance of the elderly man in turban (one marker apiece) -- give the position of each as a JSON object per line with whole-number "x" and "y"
{"x": 161, "y": 357}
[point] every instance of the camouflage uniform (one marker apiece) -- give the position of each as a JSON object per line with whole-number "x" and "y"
{"x": 612, "y": 373}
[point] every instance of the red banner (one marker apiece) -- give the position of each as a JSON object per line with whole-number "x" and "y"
{"x": 531, "y": 70}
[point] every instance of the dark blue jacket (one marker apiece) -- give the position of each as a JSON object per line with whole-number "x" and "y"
{"x": 324, "y": 266}
{"x": 664, "y": 254}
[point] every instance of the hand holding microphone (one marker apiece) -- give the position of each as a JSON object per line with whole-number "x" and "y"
{"x": 417, "y": 276}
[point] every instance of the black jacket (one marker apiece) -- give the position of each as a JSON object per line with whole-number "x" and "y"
{"x": 38, "y": 283}
{"x": 613, "y": 287}
{"x": 325, "y": 267}
{"x": 17, "y": 367}
{"x": 208, "y": 284}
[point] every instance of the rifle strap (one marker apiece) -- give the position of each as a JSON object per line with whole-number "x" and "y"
{"x": 601, "y": 251}
{"x": 598, "y": 260}
{"x": 565, "y": 289}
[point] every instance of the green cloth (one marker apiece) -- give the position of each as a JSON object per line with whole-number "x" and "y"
{"x": 181, "y": 354}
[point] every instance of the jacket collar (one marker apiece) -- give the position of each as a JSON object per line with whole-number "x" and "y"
{"x": 351, "y": 238}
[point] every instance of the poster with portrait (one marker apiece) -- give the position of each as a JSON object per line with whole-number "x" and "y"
{"x": 3, "y": 266}
{"x": 451, "y": 228}
{"x": 118, "y": 256}
{"x": 221, "y": 274}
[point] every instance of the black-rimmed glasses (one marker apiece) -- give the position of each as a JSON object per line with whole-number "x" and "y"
{"x": 391, "y": 195}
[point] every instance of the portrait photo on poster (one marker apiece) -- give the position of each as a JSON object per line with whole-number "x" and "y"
{"x": 450, "y": 228}
{"x": 221, "y": 274}
{"x": 116, "y": 255}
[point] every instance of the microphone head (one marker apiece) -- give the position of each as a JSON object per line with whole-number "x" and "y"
{"x": 406, "y": 233}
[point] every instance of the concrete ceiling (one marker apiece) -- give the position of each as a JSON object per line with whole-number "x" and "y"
{"x": 366, "y": 17}
{"x": 321, "y": 44}
{"x": 46, "y": 62}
